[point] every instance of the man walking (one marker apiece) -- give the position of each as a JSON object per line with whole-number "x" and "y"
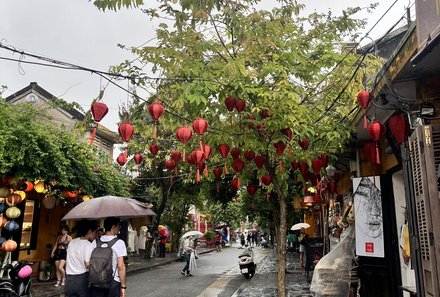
{"x": 78, "y": 260}
{"x": 119, "y": 251}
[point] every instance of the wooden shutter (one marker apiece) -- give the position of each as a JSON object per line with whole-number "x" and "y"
{"x": 424, "y": 149}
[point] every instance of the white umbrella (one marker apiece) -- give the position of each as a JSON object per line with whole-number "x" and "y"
{"x": 299, "y": 226}
{"x": 194, "y": 233}
{"x": 109, "y": 206}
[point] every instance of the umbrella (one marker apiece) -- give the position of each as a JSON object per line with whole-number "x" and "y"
{"x": 299, "y": 226}
{"x": 163, "y": 231}
{"x": 194, "y": 233}
{"x": 109, "y": 206}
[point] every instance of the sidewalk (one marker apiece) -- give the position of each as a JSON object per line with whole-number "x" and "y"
{"x": 264, "y": 282}
{"x": 137, "y": 264}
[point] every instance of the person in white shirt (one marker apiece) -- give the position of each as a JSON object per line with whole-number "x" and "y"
{"x": 187, "y": 250}
{"x": 78, "y": 260}
{"x": 112, "y": 226}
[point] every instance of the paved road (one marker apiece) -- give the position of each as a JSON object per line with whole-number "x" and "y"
{"x": 217, "y": 275}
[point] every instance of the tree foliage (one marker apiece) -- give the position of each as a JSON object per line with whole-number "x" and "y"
{"x": 32, "y": 149}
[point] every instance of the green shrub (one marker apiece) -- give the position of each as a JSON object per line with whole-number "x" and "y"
{"x": 209, "y": 235}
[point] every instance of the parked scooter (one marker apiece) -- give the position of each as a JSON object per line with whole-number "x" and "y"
{"x": 19, "y": 283}
{"x": 246, "y": 262}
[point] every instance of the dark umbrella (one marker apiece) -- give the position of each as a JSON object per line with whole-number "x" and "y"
{"x": 109, "y": 206}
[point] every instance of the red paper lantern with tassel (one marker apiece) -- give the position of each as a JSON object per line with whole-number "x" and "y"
{"x": 138, "y": 158}
{"x": 234, "y": 184}
{"x": 154, "y": 149}
{"x": 235, "y": 153}
{"x": 99, "y": 110}
{"x": 224, "y": 150}
{"x": 240, "y": 104}
{"x": 191, "y": 160}
{"x": 170, "y": 164}
{"x": 280, "y": 147}
{"x": 364, "y": 98}
{"x": 316, "y": 165}
{"x": 200, "y": 126}
{"x": 156, "y": 110}
{"x": 230, "y": 103}
{"x": 218, "y": 174}
{"x": 324, "y": 159}
{"x": 266, "y": 180}
{"x": 121, "y": 159}
{"x": 176, "y": 155}
{"x": 126, "y": 131}
{"x": 304, "y": 169}
{"x": 249, "y": 155}
{"x": 207, "y": 150}
{"x": 197, "y": 156}
{"x": 398, "y": 127}
{"x": 288, "y": 132}
{"x": 304, "y": 144}
{"x": 238, "y": 165}
{"x": 260, "y": 160}
{"x": 252, "y": 189}
{"x": 376, "y": 130}
{"x": 183, "y": 134}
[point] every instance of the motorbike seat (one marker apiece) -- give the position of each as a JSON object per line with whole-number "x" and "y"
{"x": 244, "y": 255}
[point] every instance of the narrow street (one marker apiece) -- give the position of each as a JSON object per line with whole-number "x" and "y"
{"x": 217, "y": 275}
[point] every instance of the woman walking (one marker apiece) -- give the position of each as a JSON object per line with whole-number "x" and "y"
{"x": 59, "y": 254}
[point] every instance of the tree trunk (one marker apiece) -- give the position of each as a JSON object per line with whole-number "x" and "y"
{"x": 282, "y": 248}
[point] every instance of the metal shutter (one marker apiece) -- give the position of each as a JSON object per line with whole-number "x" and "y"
{"x": 424, "y": 149}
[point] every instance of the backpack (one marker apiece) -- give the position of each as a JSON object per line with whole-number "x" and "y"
{"x": 101, "y": 270}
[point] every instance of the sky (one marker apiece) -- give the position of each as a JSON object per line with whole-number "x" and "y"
{"x": 77, "y": 32}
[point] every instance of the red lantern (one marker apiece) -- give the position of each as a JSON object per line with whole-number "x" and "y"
{"x": 175, "y": 155}
{"x": 224, "y": 149}
{"x": 398, "y": 127}
{"x": 369, "y": 152}
{"x": 266, "y": 180}
{"x": 287, "y": 132}
{"x": 121, "y": 159}
{"x": 191, "y": 160}
{"x": 138, "y": 158}
{"x": 154, "y": 149}
{"x": 252, "y": 189}
{"x": 280, "y": 147}
{"x": 29, "y": 186}
{"x": 316, "y": 165}
{"x": 184, "y": 134}
{"x": 230, "y": 103}
{"x": 376, "y": 130}
{"x": 200, "y": 126}
{"x": 304, "y": 168}
{"x": 207, "y": 150}
{"x": 99, "y": 110}
{"x": 156, "y": 110}
{"x": 218, "y": 174}
{"x": 249, "y": 155}
{"x": 126, "y": 131}
{"x": 304, "y": 144}
{"x": 240, "y": 104}
{"x": 324, "y": 159}
{"x": 331, "y": 187}
{"x": 264, "y": 113}
{"x": 364, "y": 98}
{"x": 295, "y": 164}
{"x": 235, "y": 153}
{"x": 170, "y": 164}
{"x": 235, "y": 184}
{"x": 260, "y": 160}
{"x": 197, "y": 156}
{"x": 238, "y": 165}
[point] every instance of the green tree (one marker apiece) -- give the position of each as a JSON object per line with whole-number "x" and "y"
{"x": 293, "y": 71}
{"x": 31, "y": 149}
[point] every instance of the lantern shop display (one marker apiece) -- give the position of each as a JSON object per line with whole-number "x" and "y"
{"x": 39, "y": 186}
{"x": 13, "y": 212}
{"x": 12, "y": 226}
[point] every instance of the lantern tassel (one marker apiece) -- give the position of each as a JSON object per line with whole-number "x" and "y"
{"x": 206, "y": 170}
{"x": 365, "y": 120}
{"x": 126, "y": 153}
{"x": 201, "y": 146}
{"x": 267, "y": 195}
{"x": 155, "y": 132}
{"x": 225, "y": 170}
{"x": 184, "y": 153}
{"x": 289, "y": 151}
{"x": 230, "y": 119}
{"x": 155, "y": 167}
{"x": 252, "y": 202}
{"x": 377, "y": 154}
{"x": 175, "y": 170}
{"x": 198, "y": 176}
{"x": 238, "y": 182}
{"x": 281, "y": 166}
{"x": 92, "y": 136}
{"x": 218, "y": 187}
{"x": 171, "y": 179}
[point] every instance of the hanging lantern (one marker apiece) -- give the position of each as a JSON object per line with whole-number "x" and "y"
{"x": 235, "y": 153}
{"x": 249, "y": 155}
{"x": 156, "y": 110}
{"x": 304, "y": 169}
{"x": 86, "y": 198}
{"x": 240, "y": 105}
{"x": 266, "y": 180}
{"x": 175, "y": 155}
{"x": 99, "y": 110}
{"x": 224, "y": 151}
{"x": 126, "y": 131}
{"x": 184, "y": 134}
{"x": 68, "y": 194}
{"x": 197, "y": 156}
{"x": 49, "y": 201}
{"x": 252, "y": 189}
{"x": 170, "y": 165}
{"x": 230, "y": 103}
{"x": 191, "y": 160}
{"x": 121, "y": 159}
{"x": 260, "y": 160}
{"x": 288, "y": 132}
{"x": 3, "y": 207}
{"x": 324, "y": 159}
{"x": 29, "y": 186}
{"x": 304, "y": 144}
{"x": 138, "y": 158}
{"x": 13, "y": 212}
{"x": 200, "y": 126}
{"x": 12, "y": 226}
{"x": 207, "y": 150}
{"x": 218, "y": 174}
{"x": 238, "y": 165}
{"x": 264, "y": 113}
{"x": 295, "y": 164}
{"x": 376, "y": 130}
{"x": 154, "y": 149}
{"x": 9, "y": 246}
{"x": 234, "y": 183}
{"x": 369, "y": 152}
{"x": 5, "y": 191}
{"x": 316, "y": 165}
{"x": 39, "y": 186}
{"x": 280, "y": 147}
{"x": 364, "y": 98}
{"x": 398, "y": 127}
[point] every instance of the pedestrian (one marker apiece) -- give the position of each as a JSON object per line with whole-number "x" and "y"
{"x": 302, "y": 247}
{"x": 59, "y": 253}
{"x": 195, "y": 245}
{"x": 118, "y": 286}
{"x": 187, "y": 251}
{"x": 248, "y": 238}
{"x": 78, "y": 260}
{"x": 162, "y": 242}
{"x": 242, "y": 240}
{"x": 218, "y": 242}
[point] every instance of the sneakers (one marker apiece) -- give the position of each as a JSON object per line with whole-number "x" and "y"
{"x": 57, "y": 284}
{"x": 182, "y": 272}
{"x": 189, "y": 274}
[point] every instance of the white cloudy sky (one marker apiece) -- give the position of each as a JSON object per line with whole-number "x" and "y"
{"x": 75, "y": 31}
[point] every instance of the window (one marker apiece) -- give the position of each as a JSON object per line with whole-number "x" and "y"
{"x": 27, "y": 231}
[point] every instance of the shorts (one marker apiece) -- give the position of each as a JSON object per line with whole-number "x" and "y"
{"x": 302, "y": 248}
{"x": 60, "y": 254}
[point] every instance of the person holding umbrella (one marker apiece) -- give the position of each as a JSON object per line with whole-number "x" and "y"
{"x": 187, "y": 251}
{"x": 163, "y": 235}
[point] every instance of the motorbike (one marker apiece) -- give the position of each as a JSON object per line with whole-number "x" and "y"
{"x": 246, "y": 262}
{"x": 19, "y": 283}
